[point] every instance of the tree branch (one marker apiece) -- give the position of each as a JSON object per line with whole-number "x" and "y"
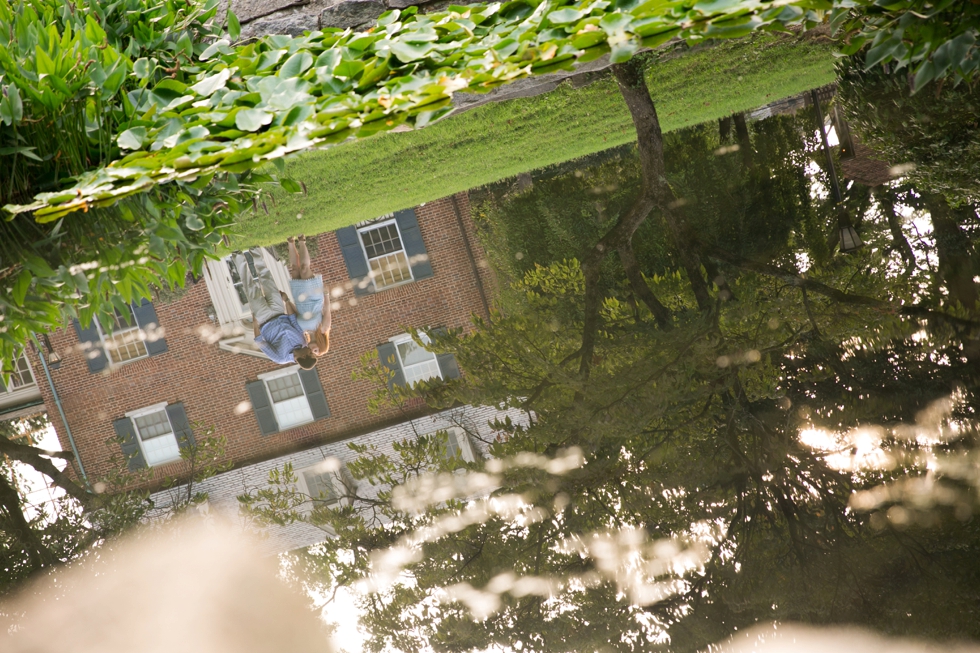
{"x": 794, "y": 279}
{"x": 38, "y": 459}
{"x": 10, "y": 502}
{"x": 640, "y": 287}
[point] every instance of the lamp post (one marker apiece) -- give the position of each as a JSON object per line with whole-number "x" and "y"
{"x": 848, "y": 236}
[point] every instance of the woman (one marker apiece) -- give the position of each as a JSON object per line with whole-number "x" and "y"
{"x": 312, "y": 311}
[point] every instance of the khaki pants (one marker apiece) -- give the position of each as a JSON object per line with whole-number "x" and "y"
{"x": 263, "y": 295}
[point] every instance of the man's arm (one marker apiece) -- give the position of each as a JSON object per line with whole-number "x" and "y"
{"x": 256, "y": 330}
{"x": 288, "y": 304}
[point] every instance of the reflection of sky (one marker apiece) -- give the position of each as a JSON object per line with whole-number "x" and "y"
{"x": 342, "y": 613}
{"x": 38, "y": 493}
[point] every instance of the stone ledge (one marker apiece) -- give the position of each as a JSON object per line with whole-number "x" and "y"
{"x": 352, "y": 13}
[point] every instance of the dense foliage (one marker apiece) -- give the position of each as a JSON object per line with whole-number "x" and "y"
{"x": 77, "y": 518}
{"x": 65, "y": 75}
{"x": 935, "y": 137}
{"x": 232, "y": 108}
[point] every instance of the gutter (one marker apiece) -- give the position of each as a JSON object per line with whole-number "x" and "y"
{"x": 469, "y": 254}
{"x": 61, "y": 411}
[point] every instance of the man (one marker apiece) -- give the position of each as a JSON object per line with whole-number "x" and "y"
{"x": 277, "y": 333}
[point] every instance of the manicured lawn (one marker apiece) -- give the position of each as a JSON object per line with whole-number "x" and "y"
{"x": 364, "y": 179}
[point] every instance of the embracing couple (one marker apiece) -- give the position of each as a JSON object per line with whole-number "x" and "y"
{"x": 284, "y": 331}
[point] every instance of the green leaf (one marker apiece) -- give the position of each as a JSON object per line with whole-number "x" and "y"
{"x": 250, "y": 120}
{"x": 290, "y": 186}
{"x": 185, "y": 45}
{"x": 214, "y": 48}
{"x": 329, "y": 60}
{"x": 37, "y": 265}
{"x": 407, "y": 52}
{"x": 348, "y": 69}
{"x": 296, "y": 65}
{"x": 234, "y": 27}
{"x": 207, "y": 86}
{"x": 20, "y": 287}
{"x": 269, "y": 59}
{"x": 43, "y": 63}
{"x": 194, "y": 223}
{"x": 21, "y": 149}
{"x": 924, "y": 75}
{"x": 623, "y": 50}
{"x": 170, "y": 85}
{"x": 142, "y": 68}
{"x": 132, "y": 139}
{"x": 16, "y": 105}
{"x": 566, "y": 15}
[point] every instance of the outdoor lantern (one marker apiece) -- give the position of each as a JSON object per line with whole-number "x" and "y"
{"x": 54, "y": 360}
{"x": 849, "y": 238}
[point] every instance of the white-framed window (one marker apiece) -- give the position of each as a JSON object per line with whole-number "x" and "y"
{"x": 385, "y": 253}
{"x": 288, "y": 396}
{"x": 327, "y": 484}
{"x": 155, "y": 434}
{"x": 417, "y": 363}
{"x": 459, "y": 445}
{"x": 237, "y": 286}
{"x": 127, "y": 342}
{"x": 227, "y": 292}
{"x": 21, "y": 377}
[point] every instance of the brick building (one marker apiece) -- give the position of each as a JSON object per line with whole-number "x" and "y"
{"x": 134, "y": 394}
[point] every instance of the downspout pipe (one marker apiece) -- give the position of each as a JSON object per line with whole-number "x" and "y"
{"x": 469, "y": 254}
{"x": 61, "y": 411}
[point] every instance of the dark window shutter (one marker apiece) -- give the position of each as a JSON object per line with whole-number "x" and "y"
{"x": 448, "y": 366}
{"x": 408, "y": 225}
{"x": 146, "y": 318}
{"x": 314, "y": 393}
{"x": 262, "y": 406}
{"x": 447, "y": 362}
{"x": 182, "y": 427}
{"x": 357, "y": 265}
{"x": 388, "y": 357}
{"x": 130, "y": 446}
{"x": 91, "y": 346}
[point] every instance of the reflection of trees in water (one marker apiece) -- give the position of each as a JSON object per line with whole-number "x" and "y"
{"x": 686, "y": 366}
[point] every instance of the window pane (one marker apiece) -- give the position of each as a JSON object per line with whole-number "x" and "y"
{"x": 126, "y": 341}
{"x": 157, "y": 437}
{"x": 125, "y": 345}
{"x": 411, "y": 353}
{"x": 381, "y": 241}
{"x": 293, "y": 412}
{"x": 321, "y": 486}
{"x": 236, "y": 282}
{"x": 124, "y": 320}
{"x": 421, "y": 372}
{"x": 390, "y": 269}
{"x": 21, "y": 376}
{"x": 452, "y": 447}
{"x": 285, "y": 387}
{"x": 153, "y": 425}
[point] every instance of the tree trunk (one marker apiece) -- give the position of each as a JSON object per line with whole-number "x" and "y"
{"x": 744, "y": 142}
{"x": 724, "y": 129}
{"x": 957, "y": 264}
{"x": 899, "y": 241}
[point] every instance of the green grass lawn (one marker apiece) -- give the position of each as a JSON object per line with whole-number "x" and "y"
{"x": 364, "y": 179}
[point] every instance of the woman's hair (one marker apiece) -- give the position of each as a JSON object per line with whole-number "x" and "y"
{"x": 322, "y": 341}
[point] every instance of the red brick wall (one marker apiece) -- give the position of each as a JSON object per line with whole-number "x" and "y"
{"x": 211, "y": 382}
